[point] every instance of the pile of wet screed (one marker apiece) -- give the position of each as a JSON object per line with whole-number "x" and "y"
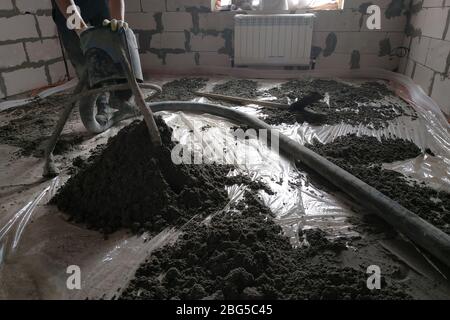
{"x": 130, "y": 184}
{"x": 181, "y": 89}
{"x": 238, "y": 88}
{"x": 239, "y": 252}
{"x": 371, "y": 104}
{"x": 352, "y": 104}
{"x": 243, "y": 254}
{"x": 363, "y": 157}
{"x": 32, "y": 125}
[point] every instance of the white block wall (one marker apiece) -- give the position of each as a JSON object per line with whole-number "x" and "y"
{"x": 187, "y": 29}
{"x": 185, "y": 33}
{"x": 428, "y": 62}
{"x": 30, "y": 54}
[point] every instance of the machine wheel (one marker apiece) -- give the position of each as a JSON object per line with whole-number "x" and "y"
{"x": 88, "y": 113}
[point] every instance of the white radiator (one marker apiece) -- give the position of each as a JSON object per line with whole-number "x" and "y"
{"x": 275, "y": 40}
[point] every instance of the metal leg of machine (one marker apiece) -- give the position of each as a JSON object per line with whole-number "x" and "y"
{"x": 138, "y": 96}
{"x": 50, "y": 169}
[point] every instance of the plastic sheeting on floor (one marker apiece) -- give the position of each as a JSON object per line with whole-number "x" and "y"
{"x": 37, "y": 253}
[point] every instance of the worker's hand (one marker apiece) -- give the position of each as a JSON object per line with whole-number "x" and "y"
{"x": 81, "y": 30}
{"x": 115, "y": 25}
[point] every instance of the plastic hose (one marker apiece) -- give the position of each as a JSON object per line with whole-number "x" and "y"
{"x": 427, "y": 236}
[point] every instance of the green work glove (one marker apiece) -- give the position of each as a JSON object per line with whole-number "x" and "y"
{"x": 115, "y": 25}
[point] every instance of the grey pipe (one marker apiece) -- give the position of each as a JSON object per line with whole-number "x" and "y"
{"x": 418, "y": 230}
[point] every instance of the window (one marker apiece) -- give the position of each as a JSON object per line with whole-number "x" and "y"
{"x": 276, "y": 5}
{"x": 316, "y": 4}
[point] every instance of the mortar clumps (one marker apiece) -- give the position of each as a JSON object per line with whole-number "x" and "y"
{"x": 238, "y": 88}
{"x": 132, "y": 185}
{"x": 358, "y": 150}
{"x": 349, "y": 104}
{"x": 363, "y": 157}
{"x": 181, "y": 89}
{"x": 244, "y": 255}
{"x": 427, "y": 203}
{"x": 32, "y": 124}
{"x": 81, "y": 162}
{"x": 249, "y": 89}
{"x": 275, "y": 116}
{"x": 251, "y": 184}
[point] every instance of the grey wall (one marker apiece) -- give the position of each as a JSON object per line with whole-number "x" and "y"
{"x": 428, "y": 37}
{"x": 184, "y": 34}
{"x": 30, "y": 54}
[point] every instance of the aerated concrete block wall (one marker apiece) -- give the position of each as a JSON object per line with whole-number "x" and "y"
{"x": 428, "y": 37}
{"x": 30, "y": 54}
{"x": 185, "y": 33}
